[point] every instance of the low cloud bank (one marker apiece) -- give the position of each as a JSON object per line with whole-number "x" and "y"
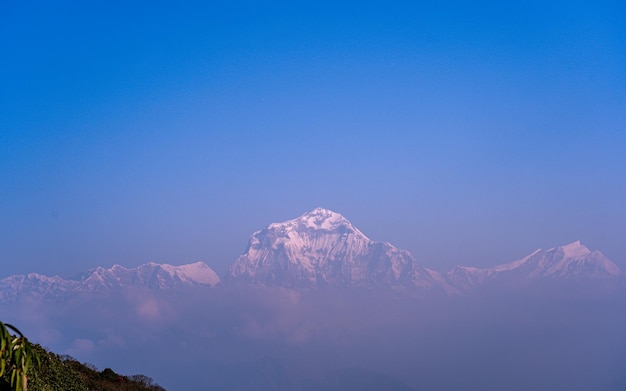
{"x": 540, "y": 339}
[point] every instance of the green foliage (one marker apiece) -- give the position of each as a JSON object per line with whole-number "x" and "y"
{"x": 16, "y": 356}
{"x": 56, "y": 373}
{"x": 65, "y": 373}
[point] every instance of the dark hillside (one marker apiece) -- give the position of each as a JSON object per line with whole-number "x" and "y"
{"x": 64, "y": 373}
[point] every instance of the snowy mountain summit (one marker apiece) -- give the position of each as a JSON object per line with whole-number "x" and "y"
{"x": 322, "y": 248}
{"x": 573, "y": 262}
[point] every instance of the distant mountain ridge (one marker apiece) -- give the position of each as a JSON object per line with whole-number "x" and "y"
{"x": 319, "y": 249}
{"x": 150, "y": 275}
{"x": 572, "y": 262}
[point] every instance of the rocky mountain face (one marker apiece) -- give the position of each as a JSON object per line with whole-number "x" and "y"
{"x": 322, "y": 248}
{"x": 151, "y": 275}
{"x": 572, "y": 262}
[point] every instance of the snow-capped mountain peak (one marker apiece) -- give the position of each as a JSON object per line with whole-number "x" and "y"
{"x": 198, "y": 272}
{"x": 318, "y": 219}
{"x": 322, "y": 248}
{"x": 570, "y": 262}
{"x": 573, "y": 250}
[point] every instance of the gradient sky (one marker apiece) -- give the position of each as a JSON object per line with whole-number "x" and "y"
{"x": 464, "y": 132}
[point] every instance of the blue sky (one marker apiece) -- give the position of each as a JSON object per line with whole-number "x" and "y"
{"x": 464, "y": 132}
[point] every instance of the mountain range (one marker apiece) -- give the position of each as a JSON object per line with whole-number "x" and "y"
{"x": 322, "y": 248}
{"x": 150, "y": 275}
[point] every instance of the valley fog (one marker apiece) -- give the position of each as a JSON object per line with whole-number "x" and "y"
{"x": 247, "y": 338}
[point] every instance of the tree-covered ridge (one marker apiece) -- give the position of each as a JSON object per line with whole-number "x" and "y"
{"x": 64, "y": 373}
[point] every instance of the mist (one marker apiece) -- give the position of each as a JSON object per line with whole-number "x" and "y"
{"x": 247, "y": 338}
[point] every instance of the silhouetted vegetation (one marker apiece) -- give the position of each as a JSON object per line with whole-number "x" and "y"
{"x": 64, "y": 373}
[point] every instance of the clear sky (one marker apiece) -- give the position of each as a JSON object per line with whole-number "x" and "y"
{"x": 465, "y": 132}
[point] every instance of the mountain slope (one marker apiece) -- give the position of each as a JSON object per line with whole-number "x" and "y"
{"x": 151, "y": 275}
{"x": 322, "y": 248}
{"x": 572, "y": 262}
{"x": 63, "y": 373}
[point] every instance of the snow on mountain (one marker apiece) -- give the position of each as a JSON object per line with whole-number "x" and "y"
{"x": 322, "y": 248}
{"x": 35, "y": 285}
{"x": 151, "y": 275}
{"x": 573, "y": 261}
